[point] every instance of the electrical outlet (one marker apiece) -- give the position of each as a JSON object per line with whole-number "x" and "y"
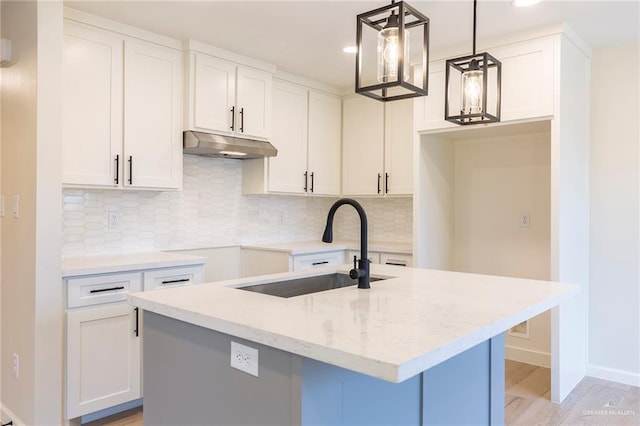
{"x": 525, "y": 219}
{"x": 113, "y": 220}
{"x": 16, "y": 365}
{"x": 244, "y": 358}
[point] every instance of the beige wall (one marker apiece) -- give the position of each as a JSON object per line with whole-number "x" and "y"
{"x": 614, "y": 295}
{"x": 31, "y": 294}
{"x": 495, "y": 180}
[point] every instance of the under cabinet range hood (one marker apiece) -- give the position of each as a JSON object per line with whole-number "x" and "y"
{"x": 217, "y": 146}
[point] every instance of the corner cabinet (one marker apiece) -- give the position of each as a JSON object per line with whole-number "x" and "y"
{"x": 377, "y": 147}
{"x": 527, "y": 85}
{"x": 121, "y": 111}
{"x": 306, "y": 132}
{"x": 227, "y": 98}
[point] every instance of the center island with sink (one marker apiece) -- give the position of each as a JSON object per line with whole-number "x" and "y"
{"x": 420, "y": 347}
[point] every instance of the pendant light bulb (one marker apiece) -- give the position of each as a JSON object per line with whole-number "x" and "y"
{"x": 389, "y": 51}
{"x": 472, "y": 90}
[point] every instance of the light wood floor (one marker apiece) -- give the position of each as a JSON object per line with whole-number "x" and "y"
{"x": 593, "y": 402}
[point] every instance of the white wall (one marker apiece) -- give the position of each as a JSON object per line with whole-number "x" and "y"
{"x": 496, "y": 179}
{"x": 614, "y": 297}
{"x": 212, "y": 212}
{"x": 31, "y": 296}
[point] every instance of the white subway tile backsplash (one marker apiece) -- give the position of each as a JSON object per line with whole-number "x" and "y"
{"x": 211, "y": 211}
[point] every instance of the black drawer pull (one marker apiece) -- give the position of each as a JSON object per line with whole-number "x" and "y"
{"x": 107, "y": 289}
{"x": 181, "y": 280}
{"x": 396, "y": 263}
{"x": 136, "y": 331}
{"x": 306, "y": 179}
{"x": 379, "y": 176}
{"x": 324, "y": 262}
{"x": 233, "y": 118}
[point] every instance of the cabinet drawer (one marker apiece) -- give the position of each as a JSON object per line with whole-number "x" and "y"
{"x": 171, "y": 277}
{"x": 317, "y": 260}
{"x": 96, "y": 289}
{"x": 396, "y": 259}
{"x": 374, "y": 257}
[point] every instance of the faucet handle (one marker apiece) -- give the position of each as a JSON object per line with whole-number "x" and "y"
{"x": 355, "y": 273}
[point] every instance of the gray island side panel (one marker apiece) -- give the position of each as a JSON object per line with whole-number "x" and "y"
{"x": 188, "y": 381}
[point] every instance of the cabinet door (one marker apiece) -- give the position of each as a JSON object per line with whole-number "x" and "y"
{"x": 103, "y": 358}
{"x": 253, "y": 103}
{"x": 429, "y": 110}
{"x": 362, "y": 146}
{"x": 286, "y": 170}
{"x": 91, "y": 105}
{"x": 325, "y": 124}
{"x": 398, "y": 147}
{"x": 527, "y": 79}
{"x": 213, "y": 93}
{"x": 152, "y": 116}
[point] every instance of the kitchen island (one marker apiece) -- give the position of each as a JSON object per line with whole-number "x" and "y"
{"x": 419, "y": 347}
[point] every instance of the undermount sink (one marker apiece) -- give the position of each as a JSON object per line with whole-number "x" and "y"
{"x": 307, "y": 285}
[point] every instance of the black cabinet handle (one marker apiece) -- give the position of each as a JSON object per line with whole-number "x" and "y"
{"x": 107, "y": 289}
{"x": 311, "y": 181}
{"x": 306, "y": 176}
{"x": 386, "y": 183}
{"x": 116, "y": 180}
{"x": 396, "y": 263}
{"x": 233, "y": 117}
{"x": 379, "y": 176}
{"x": 241, "y": 120}
{"x": 130, "y": 170}
{"x": 324, "y": 262}
{"x": 182, "y": 280}
{"x": 137, "y": 322}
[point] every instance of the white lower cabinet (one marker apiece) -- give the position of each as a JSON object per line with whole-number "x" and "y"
{"x": 103, "y": 358}
{"x": 104, "y": 335}
{"x": 317, "y": 260}
{"x": 103, "y": 342}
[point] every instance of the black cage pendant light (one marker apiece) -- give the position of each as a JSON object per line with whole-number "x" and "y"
{"x": 384, "y": 41}
{"x": 473, "y": 86}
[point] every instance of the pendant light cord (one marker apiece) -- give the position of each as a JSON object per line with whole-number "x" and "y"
{"x": 475, "y": 6}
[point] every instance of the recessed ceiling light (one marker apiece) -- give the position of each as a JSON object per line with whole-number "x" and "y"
{"x": 350, "y": 49}
{"x": 524, "y": 3}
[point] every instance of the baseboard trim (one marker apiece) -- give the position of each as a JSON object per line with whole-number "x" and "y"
{"x": 527, "y": 356}
{"x": 613, "y": 375}
{"x": 7, "y": 415}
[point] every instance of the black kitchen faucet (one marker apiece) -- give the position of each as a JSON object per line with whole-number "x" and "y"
{"x": 361, "y": 270}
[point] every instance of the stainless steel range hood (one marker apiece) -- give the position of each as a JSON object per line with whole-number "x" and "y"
{"x": 217, "y": 146}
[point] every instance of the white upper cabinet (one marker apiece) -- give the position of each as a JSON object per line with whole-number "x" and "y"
{"x": 227, "y": 98}
{"x": 91, "y": 105}
{"x": 527, "y": 85}
{"x": 306, "y": 131}
{"x": 152, "y": 111}
{"x": 287, "y": 169}
{"x": 363, "y": 146}
{"x": 398, "y": 147}
{"x": 377, "y": 147}
{"x": 212, "y": 105}
{"x": 325, "y": 125}
{"x": 121, "y": 111}
{"x": 527, "y": 79}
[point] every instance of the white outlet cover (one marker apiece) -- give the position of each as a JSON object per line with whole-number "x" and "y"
{"x": 244, "y": 358}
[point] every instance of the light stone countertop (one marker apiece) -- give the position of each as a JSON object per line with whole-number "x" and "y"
{"x": 101, "y": 264}
{"x": 393, "y": 331}
{"x": 306, "y": 247}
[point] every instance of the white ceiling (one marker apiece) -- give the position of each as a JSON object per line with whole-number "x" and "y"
{"x": 306, "y": 37}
